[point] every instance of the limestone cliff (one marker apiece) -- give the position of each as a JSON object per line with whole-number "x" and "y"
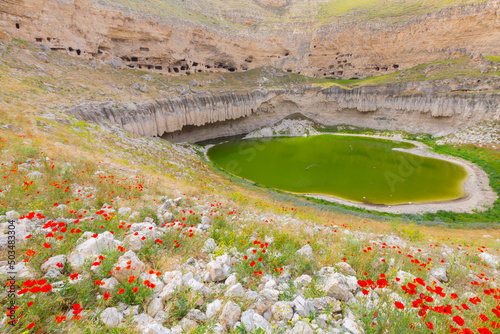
{"x": 284, "y": 34}
{"x": 393, "y": 107}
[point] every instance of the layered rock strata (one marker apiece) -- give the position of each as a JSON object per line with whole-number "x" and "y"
{"x": 183, "y": 43}
{"x": 411, "y": 107}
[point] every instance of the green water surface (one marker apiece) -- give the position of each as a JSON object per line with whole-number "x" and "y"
{"x": 358, "y": 169}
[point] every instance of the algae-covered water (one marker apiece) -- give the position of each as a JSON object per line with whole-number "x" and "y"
{"x": 358, "y": 169}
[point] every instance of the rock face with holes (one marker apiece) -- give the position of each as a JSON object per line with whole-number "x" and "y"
{"x": 167, "y": 43}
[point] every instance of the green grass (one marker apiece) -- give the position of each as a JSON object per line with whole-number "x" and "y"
{"x": 240, "y": 14}
{"x": 376, "y": 10}
{"x": 493, "y": 58}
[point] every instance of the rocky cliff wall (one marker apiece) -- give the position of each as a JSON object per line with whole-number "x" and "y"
{"x": 178, "y": 46}
{"x": 393, "y": 107}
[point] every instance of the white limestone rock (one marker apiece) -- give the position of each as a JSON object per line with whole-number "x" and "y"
{"x": 52, "y": 262}
{"x": 135, "y": 267}
{"x": 213, "y": 308}
{"x": 306, "y": 252}
{"x": 230, "y": 314}
{"x": 91, "y": 248}
{"x": 111, "y": 317}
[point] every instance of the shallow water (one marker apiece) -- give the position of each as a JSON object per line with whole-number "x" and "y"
{"x": 358, "y": 169}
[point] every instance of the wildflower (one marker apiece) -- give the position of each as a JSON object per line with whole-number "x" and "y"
{"x": 399, "y": 305}
{"x": 458, "y": 320}
{"x": 121, "y": 291}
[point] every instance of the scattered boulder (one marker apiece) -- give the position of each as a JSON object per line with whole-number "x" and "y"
{"x": 247, "y": 320}
{"x": 336, "y": 286}
{"x": 155, "y": 306}
{"x": 196, "y": 315}
{"x": 235, "y": 291}
{"x": 109, "y": 284}
{"x": 439, "y": 274}
{"x": 127, "y": 265}
{"x": 216, "y": 271}
{"x": 302, "y": 306}
{"x": 282, "y": 311}
{"x": 327, "y": 303}
{"x": 303, "y": 280}
{"x": 306, "y": 252}
{"x": 302, "y": 327}
{"x": 54, "y": 263}
{"x": 351, "y": 326}
{"x": 91, "y": 248}
{"x": 345, "y": 267}
{"x": 111, "y": 317}
{"x": 230, "y": 314}
{"x": 209, "y": 245}
{"x": 213, "y": 308}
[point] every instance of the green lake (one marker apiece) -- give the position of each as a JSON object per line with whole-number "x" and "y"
{"x": 358, "y": 169}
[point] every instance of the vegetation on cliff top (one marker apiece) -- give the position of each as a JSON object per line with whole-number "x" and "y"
{"x": 242, "y": 14}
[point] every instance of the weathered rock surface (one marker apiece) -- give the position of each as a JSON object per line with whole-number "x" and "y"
{"x": 229, "y": 113}
{"x": 172, "y": 44}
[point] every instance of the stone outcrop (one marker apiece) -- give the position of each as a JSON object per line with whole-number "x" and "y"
{"x": 178, "y": 41}
{"x": 435, "y": 108}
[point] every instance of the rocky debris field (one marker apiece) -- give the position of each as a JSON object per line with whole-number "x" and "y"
{"x": 111, "y": 245}
{"x": 486, "y": 133}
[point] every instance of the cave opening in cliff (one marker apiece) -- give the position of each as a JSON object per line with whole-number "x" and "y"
{"x": 70, "y": 49}
{"x": 176, "y": 70}
{"x": 78, "y": 52}
{"x": 135, "y": 59}
{"x": 158, "y": 68}
{"x": 395, "y": 66}
{"x": 195, "y": 63}
{"x": 38, "y": 39}
{"x": 231, "y": 69}
{"x": 18, "y": 26}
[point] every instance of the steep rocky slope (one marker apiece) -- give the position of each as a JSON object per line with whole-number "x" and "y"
{"x": 184, "y": 38}
{"x": 392, "y": 107}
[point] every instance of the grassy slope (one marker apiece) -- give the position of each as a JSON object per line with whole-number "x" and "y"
{"x": 233, "y": 13}
{"x": 77, "y": 150}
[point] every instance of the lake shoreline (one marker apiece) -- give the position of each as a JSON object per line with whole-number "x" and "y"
{"x": 479, "y": 196}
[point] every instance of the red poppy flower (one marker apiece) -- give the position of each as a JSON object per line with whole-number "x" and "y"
{"x": 458, "y": 320}
{"x": 399, "y": 305}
